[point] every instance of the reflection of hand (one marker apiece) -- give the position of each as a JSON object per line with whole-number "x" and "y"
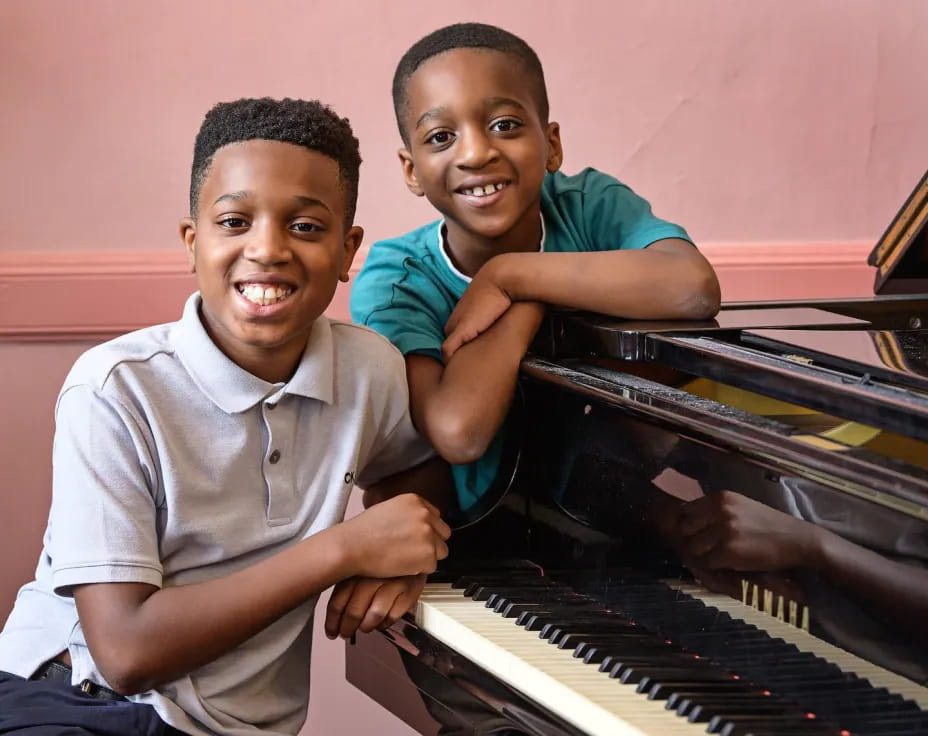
{"x": 728, "y": 531}
{"x": 365, "y": 604}
{"x": 481, "y": 305}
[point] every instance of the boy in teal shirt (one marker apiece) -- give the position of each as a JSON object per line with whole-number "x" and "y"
{"x": 463, "y": 297}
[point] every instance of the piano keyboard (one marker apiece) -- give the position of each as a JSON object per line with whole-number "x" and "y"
{"x": 848, "y": 662}
{"x": 597, "y": 669}
{"x": 566, "y": 686}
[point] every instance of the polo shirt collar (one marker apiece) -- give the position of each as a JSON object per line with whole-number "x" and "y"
{"x": 231, "y": 387}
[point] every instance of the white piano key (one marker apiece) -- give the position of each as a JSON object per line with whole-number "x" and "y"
{"x": 804, "y": 641}
{"x": 558, "y": 681}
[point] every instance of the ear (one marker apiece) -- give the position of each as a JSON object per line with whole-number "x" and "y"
{"x": 555, "y": 151}
{"x": 353, "y": 239}
{"x": 409, "y": 172}
{"x": 188, "y": 233}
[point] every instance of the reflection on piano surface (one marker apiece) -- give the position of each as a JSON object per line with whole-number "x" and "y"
{"x": 679, "y": 503}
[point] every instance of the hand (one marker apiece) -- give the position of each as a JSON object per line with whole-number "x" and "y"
{"x": 365, "y": 604}
{"x": 483, "y": 302}
{"x": 726, "y": 530}
{"x": 404, "y": 535}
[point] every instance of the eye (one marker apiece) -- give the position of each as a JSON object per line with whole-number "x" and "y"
{"x": 439, "y": 138}
{"x": 307, "y": 227}
{"x": 505, "y": 126}
{"x": 231, "y": 222}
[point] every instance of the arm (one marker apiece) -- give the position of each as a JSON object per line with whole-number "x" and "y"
{"x": 431, "y": 480}
{"x": 140, "y": 635}
{"x": 670, "y": 279}
{"x": 460, "y": 406}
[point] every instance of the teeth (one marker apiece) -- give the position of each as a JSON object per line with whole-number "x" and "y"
{"x": 484, "y": 190}
{"x": 264, "y": 295}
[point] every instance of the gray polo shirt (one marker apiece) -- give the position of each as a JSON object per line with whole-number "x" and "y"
{"x": 173, "y": 465}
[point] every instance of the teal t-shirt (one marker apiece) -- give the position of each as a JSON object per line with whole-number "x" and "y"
{"x": 408, "y": 285}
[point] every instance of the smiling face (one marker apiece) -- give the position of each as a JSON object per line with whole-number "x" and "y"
{"x": 478, "y": 149}
{"x": 269, "y": 245}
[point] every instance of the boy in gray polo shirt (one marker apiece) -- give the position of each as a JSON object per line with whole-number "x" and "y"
{"x": 202, "y": 468}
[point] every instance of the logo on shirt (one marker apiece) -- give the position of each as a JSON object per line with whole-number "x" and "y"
{"x": 349, "y": 478}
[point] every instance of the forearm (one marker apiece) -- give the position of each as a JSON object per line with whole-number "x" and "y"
{"x": 668, "y": 280}
{"x": 177, "y": 629}
{"x": 431, "y": 480}
{"x": 898, "y": 591}
{"x": 468, "y": 399}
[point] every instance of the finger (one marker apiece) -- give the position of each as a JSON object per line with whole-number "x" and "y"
{"x": 357, "y": 607}
{"x": 440, "y": 527}
{"x": 694, "y": 516}
{"x": 450, "y": 346}
{"x": 341, "y": 594}
{"x": 441, "y": 550}
{"x": 403, "y": 603}
{"x": 702, "y": 543}
{"x": 380, "y": 606}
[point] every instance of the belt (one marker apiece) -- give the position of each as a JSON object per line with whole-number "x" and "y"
{"x": 60, "y": 672}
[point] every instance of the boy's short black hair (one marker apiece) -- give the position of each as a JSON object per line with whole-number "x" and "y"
{"x": 306, "y": 123}
{"x": 466, "y": 36}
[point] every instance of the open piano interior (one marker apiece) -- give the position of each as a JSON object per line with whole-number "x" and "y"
{"x": 572, "y": 604}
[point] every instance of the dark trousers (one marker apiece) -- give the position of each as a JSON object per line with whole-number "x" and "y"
{"x": 54, "y": 707}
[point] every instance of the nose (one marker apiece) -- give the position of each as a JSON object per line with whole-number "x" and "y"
{"x": 475, "y": 149}
{"x": 268, "y": 245}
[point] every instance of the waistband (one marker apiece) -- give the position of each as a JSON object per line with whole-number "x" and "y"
{"x": 60, "y": 672}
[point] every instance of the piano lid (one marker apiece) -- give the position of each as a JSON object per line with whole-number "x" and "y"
{"x": 901, "y": 254}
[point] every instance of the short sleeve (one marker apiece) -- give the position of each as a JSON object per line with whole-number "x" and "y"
{"x": 397, "y": 445}
{"x": 617, "y": 218}
{"x": 103, "y": 525}
{"x": 396, "y": 295}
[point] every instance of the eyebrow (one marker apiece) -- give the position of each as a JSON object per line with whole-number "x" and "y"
{"x": 496, "y": 101}
{"x": 298, "y": 198}
{"x": 435, "y": 112}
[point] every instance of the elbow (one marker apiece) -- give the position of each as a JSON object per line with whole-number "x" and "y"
{"x": 458, "y": 440}
{"x": 125, "y": 673}
{"x": 703, "y": 297}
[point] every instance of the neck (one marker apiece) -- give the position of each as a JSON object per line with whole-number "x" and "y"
{"x": 275, "y": 364}
{"x": 469, "y": 250}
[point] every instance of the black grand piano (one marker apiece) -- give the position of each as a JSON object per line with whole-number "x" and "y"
{"x": 570, "y": 605}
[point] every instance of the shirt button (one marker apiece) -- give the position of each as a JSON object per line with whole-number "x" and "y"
{"x": 275, "y": 456}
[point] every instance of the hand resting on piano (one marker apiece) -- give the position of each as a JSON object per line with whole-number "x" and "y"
{"x": 365, "y": 604}
{"x": 368, "y": 603}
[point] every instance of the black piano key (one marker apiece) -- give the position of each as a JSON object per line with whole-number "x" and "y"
{"x": 597, "y": 654}
{"x": 632, "y": 674}
{"x": 704, "y": 711}
{"x": 570, "y": 640}
{"x": 695, "y": 691}
{"x": 759, "y": 726}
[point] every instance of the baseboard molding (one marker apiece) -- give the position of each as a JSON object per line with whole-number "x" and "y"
{"x": 90, "y": 295}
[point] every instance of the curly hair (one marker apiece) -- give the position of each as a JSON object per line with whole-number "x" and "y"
{"x": 306, "y": 123}
{"x": 466, "y": 36}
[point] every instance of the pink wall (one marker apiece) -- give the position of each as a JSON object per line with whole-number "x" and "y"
{"x": 783, "y": 135}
